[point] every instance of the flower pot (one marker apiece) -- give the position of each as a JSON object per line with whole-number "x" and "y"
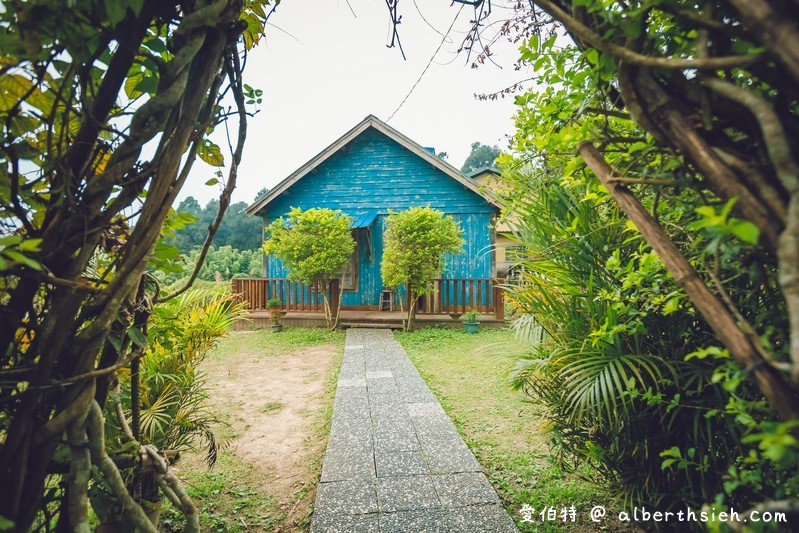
{"x": 471, "y": 327}
{"x": 277, "y": 327}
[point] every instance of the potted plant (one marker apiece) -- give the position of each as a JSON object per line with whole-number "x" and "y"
{"x": 276, "y": 314}
{"x": 471, "y": 320}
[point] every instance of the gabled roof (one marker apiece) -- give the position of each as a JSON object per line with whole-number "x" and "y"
{"x": 370, "y": 122}
{"x": 484, "y": 170}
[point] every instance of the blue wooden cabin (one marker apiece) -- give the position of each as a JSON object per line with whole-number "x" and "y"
{"x": 374, "y": 169}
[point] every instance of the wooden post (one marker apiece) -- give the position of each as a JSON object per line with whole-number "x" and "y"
{"x": 499, "y": 301}
{"x": 780, "y": 395}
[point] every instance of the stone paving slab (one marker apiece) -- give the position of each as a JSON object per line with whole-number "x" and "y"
{"x": 417, "y": 520}
{"x": 481, "y": 518}
{"x": 397, "y": 439}
{"x": 395, "y": 461}
{"x": 464, "y": 489}
{"x": 391, "y": 463}
{"x": 353, "y": 496}
{"x": 354, "y": 461}
{"x": 345, "y": 523}
{"x": 406, "y": 493}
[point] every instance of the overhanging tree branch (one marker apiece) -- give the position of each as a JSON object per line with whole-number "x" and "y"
{"x": 233, "y": 70}
{"x": 787, "y": 171}
{"x": 584, "y": 33}
{"x": 779, "y": 394}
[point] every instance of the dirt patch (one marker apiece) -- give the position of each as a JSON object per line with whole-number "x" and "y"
{"x": 274, "y": 405}
{"x": 272, "y": 402}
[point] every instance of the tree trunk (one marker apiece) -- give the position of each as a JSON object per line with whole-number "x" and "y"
{"x": 326, "y": 305}
{"x": 413, "y": 299}
{"x": 664, "y": 115}
{"x": 337, "y": 288}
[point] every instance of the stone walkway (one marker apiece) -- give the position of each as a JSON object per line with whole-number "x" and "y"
{"x": 394, "y": 460}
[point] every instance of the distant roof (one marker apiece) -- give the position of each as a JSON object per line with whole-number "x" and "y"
{"x": 370, "y": 122}
{"x": 484, "y": 170}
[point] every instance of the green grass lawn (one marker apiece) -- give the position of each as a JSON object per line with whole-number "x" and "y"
{"x": 265, "y": 344}
{"x": 467, "y": 372}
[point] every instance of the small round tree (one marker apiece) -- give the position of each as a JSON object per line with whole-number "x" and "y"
{"x": 315, "y": 246}
{"x": 414, "y": 246}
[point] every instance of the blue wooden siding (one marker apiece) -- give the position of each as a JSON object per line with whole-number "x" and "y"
{"x": 373, "y": 172}
{"x": 475, "y": 262}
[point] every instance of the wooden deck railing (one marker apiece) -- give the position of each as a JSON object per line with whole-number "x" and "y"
{"x": 453, "y": 296}
{"x": 294, "y": 295}
{"x": 449, "y": 296}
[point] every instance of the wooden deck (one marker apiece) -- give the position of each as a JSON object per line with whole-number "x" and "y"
{"x": 351, "y": 318}
{"x": 445, "y": 296}
{"x": 447, "y": 300}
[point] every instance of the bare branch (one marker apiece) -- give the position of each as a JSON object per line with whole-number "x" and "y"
{"x": 172, "y": 486}
{"x": 644, "y": 181}
{"x": 233, "y": 69}
{"x": 80, "y": 468}
{"x": 626, "y": 55}
{"x": 56, "y": 425}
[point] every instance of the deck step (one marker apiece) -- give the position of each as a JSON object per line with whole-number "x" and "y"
{"x": 372, "y": 325}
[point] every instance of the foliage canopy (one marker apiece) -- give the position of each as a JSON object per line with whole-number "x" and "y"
{"x": 696, "y": 112}
{"x": 104, "y": 108}
{"x": 237, "y": 229}
{"x": 315, "y": 246}
{"x": 481, "y": 156}
{"x": 414, "y": 245}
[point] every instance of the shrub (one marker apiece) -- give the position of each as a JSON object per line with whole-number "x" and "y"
{"x": 414, "y": 245}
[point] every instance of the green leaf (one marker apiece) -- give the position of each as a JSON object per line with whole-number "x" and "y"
{"x": 115, "y": 11}
{"x": 30, "y": 245}
{"x": 156, "y": 44}
{"x": 10, "y": 240}
{"x": 674, "y": 451}
{"x": 19, "y": 258}
{"x": 148, "y": 84}
{"x": 672, "y": 305}
{"x": 131, "y": 82}
{"x": 703, "y": 353}
{"x": 533, "y": 43}
{"x": 116, "y": 342}
{"x": 211, "y": 153}
{"x": 745, "y": 230}
{"x": 13, "y": 87}
{"x": 138, "y": 338}
{"x": 6, "y": 524}
{"x": 136, "y": 6}
{"x": 212, "y": 181}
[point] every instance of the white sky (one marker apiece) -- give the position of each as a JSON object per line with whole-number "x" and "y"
{"x": 323, "y": 70}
